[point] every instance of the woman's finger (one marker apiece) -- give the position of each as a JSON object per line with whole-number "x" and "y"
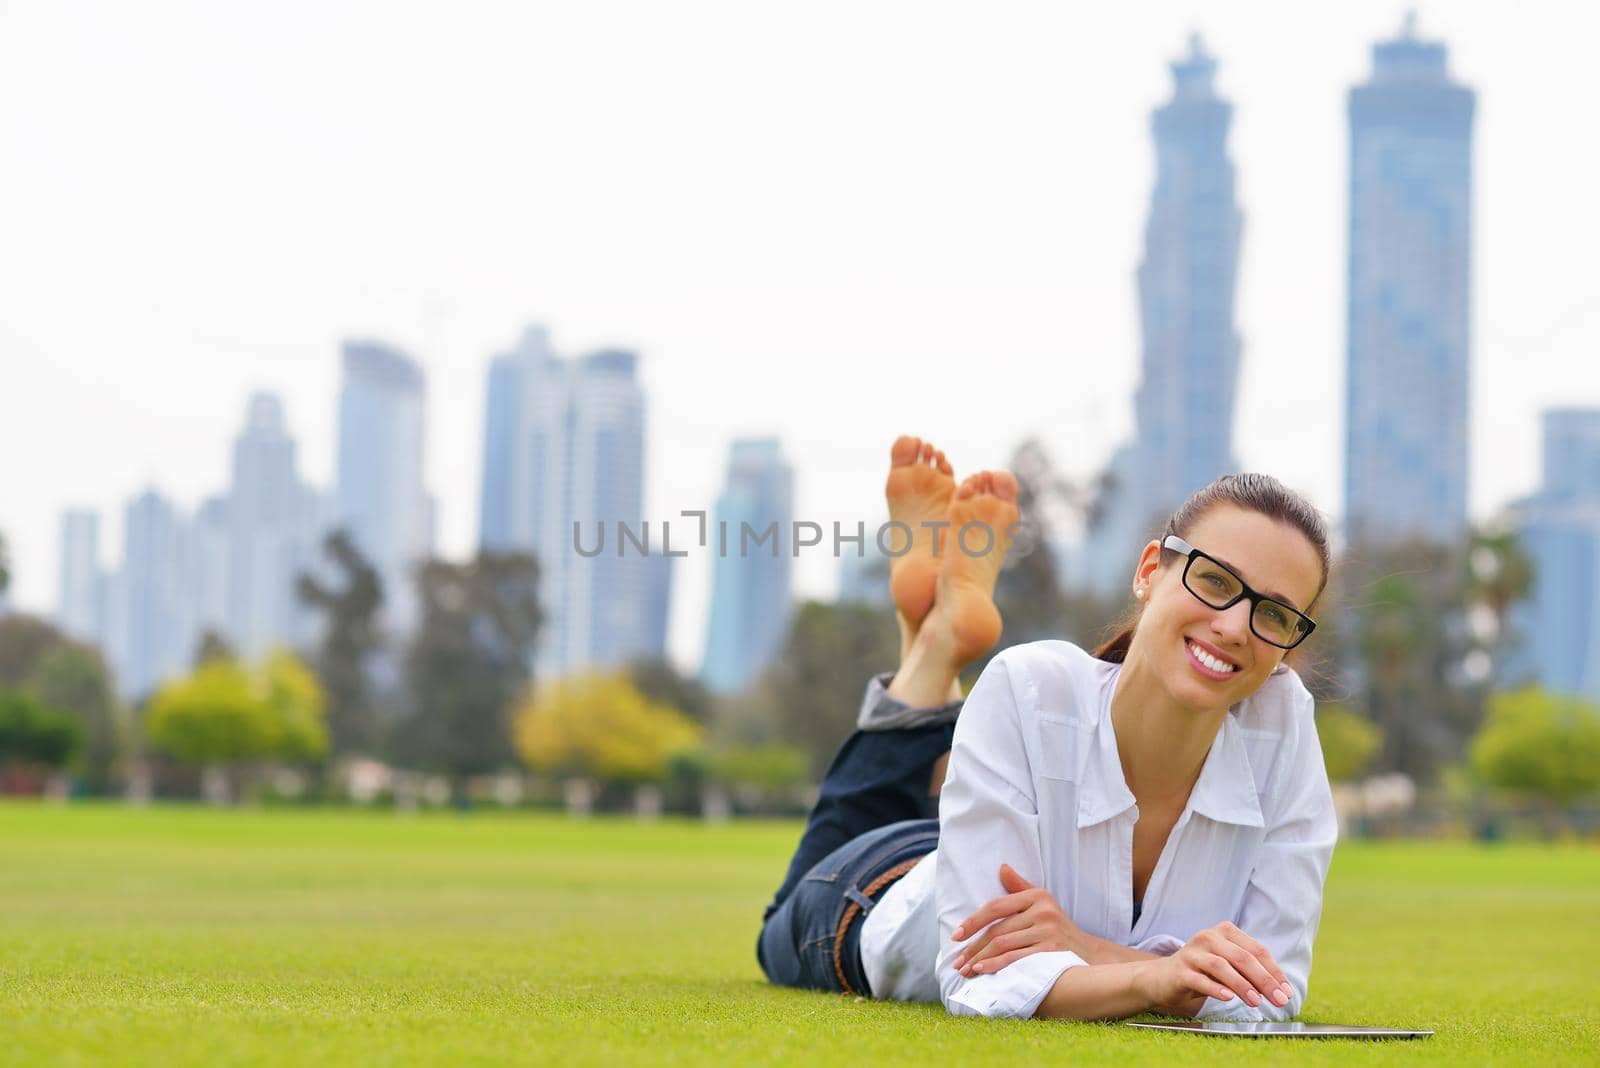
{"x": 1262, "y": 954}
{"x": 969, "y": 953}
{"x": 1218, "y": 968}
{"x": 994, "y": 964}
{"x": 1246, "y": 964}
{"x": 1029, "y": 936}
{"x": 1000, "y": 906}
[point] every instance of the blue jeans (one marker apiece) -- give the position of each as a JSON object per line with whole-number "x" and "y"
{"x": 874, "y": 817}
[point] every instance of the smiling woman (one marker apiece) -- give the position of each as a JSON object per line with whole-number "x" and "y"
{"x": 1145, "y": 828}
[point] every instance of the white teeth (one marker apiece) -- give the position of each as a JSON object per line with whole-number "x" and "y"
{"x": 1210, "y": 661}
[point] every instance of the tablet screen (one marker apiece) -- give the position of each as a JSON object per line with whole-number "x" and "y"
{"x": 1288, "y": 1029}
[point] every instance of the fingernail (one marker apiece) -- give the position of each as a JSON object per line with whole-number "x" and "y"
{"x": 1287, "y": 993}
{"x": 1253, "y": 998}
{"x": 1227, "y": 995}
{"x": 1279, "y": 997}
{"x": 955, "y": 936}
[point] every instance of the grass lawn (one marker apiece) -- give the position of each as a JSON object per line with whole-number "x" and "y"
{"x": 189, "y": 936}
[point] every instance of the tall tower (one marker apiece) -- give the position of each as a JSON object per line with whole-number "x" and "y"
{"x": 270, "y": 518}
{"x": 1409, "y": 293}
{"x": 750, "y": 582}
{"x": 1183, "y": 411}
{"x": 154, "y": 617}
{"x": 79, "y": 608}
{"x": 564, "y": 445}
{"x": 380, "y": 497}
{"x": 1559, "y": 528}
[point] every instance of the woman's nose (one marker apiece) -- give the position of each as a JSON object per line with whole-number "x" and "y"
{"x": 1233, "y": 623}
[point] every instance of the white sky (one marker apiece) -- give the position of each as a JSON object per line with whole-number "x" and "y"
{"x": 834, "y": 222}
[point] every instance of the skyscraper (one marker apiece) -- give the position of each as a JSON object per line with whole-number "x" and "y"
{"x": 750, "y": 579}
{"x": 380, "y": 497}
{"x": 272, "y": 526}
{"x": 1409, "y": 295}
{"x": 154, "y": 607}
{"x": 79, "y": 608}
{"x": 1184, "y": 408}
{"x": 1559, "y": 528}
{"x": 564, "y": 446}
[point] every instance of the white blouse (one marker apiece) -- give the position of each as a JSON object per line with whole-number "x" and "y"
{"x": 1035, "y": 781}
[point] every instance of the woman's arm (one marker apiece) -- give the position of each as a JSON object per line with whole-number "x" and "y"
{"x": 988, "y": 816}
{"x": 1282, "y": 903}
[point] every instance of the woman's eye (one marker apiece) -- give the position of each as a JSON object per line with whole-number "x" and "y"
{"x": 1217, "y": 580}
{"x": 1276, "y": 615}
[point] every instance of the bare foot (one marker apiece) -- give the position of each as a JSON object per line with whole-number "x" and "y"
{"x": 964, "y": 622}
{"x": 920, "y": 486}
{"x": 981, "y": 522}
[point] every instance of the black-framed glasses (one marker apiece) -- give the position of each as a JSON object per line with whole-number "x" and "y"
{"x": 1215, "y": 585}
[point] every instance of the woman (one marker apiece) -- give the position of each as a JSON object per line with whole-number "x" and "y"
{"x": 1144, "y": 829}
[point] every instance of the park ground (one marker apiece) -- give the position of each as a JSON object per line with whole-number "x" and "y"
{"x": 194, "y": 936}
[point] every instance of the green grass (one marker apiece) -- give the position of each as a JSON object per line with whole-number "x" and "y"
{"x": 178, "y": 936}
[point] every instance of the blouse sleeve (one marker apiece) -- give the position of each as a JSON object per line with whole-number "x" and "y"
{"x": 1282, "y": 904}
{"x": 988, "y": 816}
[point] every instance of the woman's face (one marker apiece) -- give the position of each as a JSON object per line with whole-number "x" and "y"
{"x": 1185, "y": 640}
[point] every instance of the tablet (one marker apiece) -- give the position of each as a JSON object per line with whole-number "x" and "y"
{"x": 1287, "y": 1029}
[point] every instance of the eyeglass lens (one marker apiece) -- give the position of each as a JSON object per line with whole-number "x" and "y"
{"x": 1217, "y": 586}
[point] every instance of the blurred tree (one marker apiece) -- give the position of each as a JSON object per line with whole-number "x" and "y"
{"x": 601, "y": 726}
{"x": 771, "y": 767}
{"x": 350, "y": 640}
{"x": 1538, "y": 743}
{"x": 467, "y": 663}
{"x": 24, "y": 640}
{"x": 212, "y": 646}
{"x": 664, "y": 684}
{"x": 1349, "y": 742}
{"x": 815, "y": 683}
{"x": 298, "y": 706}
{"x": 73, "y": 679}
{"x": 1407, "y": 655}
{"x": 223, "y": 716}
{"x": 70, "y": 677}
{"x": 5, "y": 565}
{"x": 32, "y": 735}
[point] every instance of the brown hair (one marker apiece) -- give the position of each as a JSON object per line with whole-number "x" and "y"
{"x": 1262, "y": 494}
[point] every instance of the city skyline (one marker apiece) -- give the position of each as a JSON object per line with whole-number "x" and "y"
{"x": 1043, "y": 309}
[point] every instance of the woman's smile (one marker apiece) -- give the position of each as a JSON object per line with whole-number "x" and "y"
{"x": 1209, "y": 662}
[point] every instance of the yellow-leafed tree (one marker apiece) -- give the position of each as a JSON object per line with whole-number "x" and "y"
{"x": 601, "y": 726}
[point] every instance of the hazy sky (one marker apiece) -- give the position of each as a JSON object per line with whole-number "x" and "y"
{"x": 833, "y": 222}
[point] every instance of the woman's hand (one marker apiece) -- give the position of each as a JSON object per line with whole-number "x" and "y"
{"x": 1220, "y": 962}
{"x": 1029, "y": 921}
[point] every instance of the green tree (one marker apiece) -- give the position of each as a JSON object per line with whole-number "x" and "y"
{"x": 603, "y": 727}
{"x": 1537, "y": 743}
{"x": 32, "y": 735}
{"x": 467, "y": 663}
{"x": 69, "y": 677}
{"x": 73, "y": 679}
{"x": 1349, "y": 742}
{"x": 351, "y": 639}
{"x": 1406, "y": 647}
{"x": 5, "y": 565}
{"x": 664, "y": 684}
{"x": 224, "y": 716}
{"x": 815, "y": 683}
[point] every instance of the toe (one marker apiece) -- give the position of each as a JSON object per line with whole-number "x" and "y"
{"x": 1005, "y": 486}
{"x": 905, "y": 450}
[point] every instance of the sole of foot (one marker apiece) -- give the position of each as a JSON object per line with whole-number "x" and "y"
{"x": 920, "y": 488}
{"x": 982, "y": 517}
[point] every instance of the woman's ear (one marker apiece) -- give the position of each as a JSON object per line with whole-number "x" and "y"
{"x": 1144, "y": 574}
